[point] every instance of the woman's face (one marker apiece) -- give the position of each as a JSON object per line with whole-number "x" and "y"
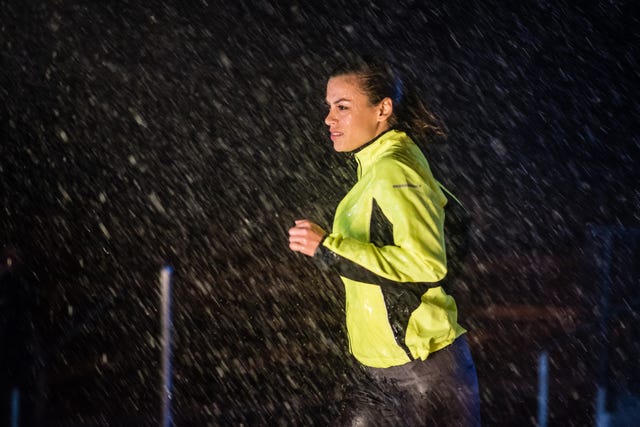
{"x": 352, "y": 120}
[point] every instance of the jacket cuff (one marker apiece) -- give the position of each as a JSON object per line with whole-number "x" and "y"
{"x": 324, "y": 257}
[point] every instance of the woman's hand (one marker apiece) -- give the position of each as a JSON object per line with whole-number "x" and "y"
{"x": 305, "y": 237}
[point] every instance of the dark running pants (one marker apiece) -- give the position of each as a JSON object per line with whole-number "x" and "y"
{"x": 439, "y": 391}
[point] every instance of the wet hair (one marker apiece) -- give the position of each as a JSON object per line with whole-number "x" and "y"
{"x": 379, "y": 80}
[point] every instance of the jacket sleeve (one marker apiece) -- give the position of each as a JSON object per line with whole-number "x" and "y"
{"x": 414, "y": 208}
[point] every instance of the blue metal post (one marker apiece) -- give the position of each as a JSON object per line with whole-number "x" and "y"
{"x": 543, "y": 388}
{"x": 604, "y": 238}
{"x": 602, "y": 416}
{"x": 15, "y": 407}
{"x": 165, "y": 296}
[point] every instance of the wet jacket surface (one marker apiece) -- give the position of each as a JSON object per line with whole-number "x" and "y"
{"x": 387, "y": 243}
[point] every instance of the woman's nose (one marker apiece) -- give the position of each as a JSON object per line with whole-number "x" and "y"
{"x": 329, "y": 120}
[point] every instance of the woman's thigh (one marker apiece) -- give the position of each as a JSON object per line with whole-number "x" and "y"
{"x": 442, "y": 390}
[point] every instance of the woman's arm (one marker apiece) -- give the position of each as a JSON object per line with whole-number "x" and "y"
{"x": 414, "y": 210}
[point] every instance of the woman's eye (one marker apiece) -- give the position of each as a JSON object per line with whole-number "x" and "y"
{"x": 342, "y": 107}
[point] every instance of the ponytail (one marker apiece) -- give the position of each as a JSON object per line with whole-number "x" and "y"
{"x": 379, "y": 80}
{"x": 413, "y": 116}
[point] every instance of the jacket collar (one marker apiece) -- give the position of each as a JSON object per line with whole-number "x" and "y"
{"x": 369, "y": 152}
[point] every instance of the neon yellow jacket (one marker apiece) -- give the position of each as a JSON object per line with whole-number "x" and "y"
{"x": 388, "y": 245}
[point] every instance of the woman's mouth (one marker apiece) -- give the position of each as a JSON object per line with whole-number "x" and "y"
{"x": 335, "y": 135}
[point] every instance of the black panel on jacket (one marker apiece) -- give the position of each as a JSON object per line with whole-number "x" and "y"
{"x": 380, "y": 228}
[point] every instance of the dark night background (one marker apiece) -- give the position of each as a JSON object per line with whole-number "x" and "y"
{"x": 138, "y": 135}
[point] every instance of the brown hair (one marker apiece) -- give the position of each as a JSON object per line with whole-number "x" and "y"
{"x": 379, "y": 80}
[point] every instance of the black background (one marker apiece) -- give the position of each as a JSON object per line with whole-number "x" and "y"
{"x": 139, "y": 135}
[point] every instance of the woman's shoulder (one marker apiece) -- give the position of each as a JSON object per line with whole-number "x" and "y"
{"x": 401, "y": 155}
{"x": 397, "y": 165}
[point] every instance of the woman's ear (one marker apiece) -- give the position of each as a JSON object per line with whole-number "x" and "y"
{"x": 386, "y": 109}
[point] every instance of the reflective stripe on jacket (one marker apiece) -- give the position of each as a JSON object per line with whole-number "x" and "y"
{"x": 388, "y": 245}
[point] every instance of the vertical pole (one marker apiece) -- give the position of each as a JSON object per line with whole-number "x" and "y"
{"x": 165, "y": 299}
{"x": 604, "y": 238}
{"x": 543, "y": 388}
{"x": 602, "y": 416}
{"x": 15, "y": 407}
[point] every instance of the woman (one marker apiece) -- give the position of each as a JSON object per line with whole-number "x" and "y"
{"x": 388, "y": 245}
